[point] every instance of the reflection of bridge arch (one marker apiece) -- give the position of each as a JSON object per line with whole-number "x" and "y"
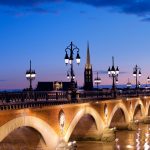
{"x": 48, "y": 134}
{"x": 142, "y": 109}
{"x": 123, "y": 108}
{"x": 87, "y": 110}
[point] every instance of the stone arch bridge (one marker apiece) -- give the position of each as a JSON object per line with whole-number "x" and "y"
{"x": 88, "y": 119}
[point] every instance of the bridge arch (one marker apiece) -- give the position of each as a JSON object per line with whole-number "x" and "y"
{"x": 147, "y": 108}
{"x": 123, "y": 108}
{"x": 142, "y": 109}
{"x": 48, "y": 134}
{"x": 87, "y": 110}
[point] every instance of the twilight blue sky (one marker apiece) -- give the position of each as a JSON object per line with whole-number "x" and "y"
{"x": 40, "y": 30}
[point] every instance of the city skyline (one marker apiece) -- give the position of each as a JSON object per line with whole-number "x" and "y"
{"x": 41, "y": 32}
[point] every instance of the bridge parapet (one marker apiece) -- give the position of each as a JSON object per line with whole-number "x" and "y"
{"x": 21, "y": 100}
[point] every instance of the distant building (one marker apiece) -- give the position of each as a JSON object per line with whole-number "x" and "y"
{"x": 88, "y": 73}
{"x": 52, "y": 86}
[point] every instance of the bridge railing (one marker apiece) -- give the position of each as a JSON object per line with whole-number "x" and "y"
{"x": 133, "y": 93}
{"x": 95, "y": 95}
{"x": 11, "y": 97}
{"x": 108, "y": 94}
{"x": 17, "y": 100}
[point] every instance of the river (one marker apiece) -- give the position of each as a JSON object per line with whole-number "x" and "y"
{"x": 125, "y": 140}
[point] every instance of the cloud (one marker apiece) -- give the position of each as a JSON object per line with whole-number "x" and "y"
{"x": 38, "y": 10}
{"x": 25, "y": 3}
{"x": 146, "y": 19}
{"x": 103, "y": 3}
{"x": 140, "y": 8}
{"x": 136, "y": 7}
{"x": 82, "y": 12}
{"x": 23, "y": 7}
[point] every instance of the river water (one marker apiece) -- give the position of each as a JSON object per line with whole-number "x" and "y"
{"x": 125, "y": 140}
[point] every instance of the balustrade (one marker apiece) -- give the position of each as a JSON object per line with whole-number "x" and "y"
{"x": 10, "y": 100}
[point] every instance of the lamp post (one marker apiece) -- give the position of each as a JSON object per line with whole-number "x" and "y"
{"x": 147, "y": 84}
{"x": 113, "y": 73}
{"x": 136, "y": 74}
{"x": 148, "y": 79}
{"x": 97, "y": 81}
{"x": 129, "y": 84}
{"x": 69, "y": 59}
{"x": 30, "y": 75}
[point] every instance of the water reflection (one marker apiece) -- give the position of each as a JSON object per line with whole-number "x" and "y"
{"x": 125, "y": 140}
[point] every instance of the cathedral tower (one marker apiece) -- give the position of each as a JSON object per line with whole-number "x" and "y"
{"x": 88, "y": 74}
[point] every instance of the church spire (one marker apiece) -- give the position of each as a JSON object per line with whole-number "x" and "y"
{"x": 88, "y": 64}
{"x": 88, "y": 55}
{"x": 88, "y": 74}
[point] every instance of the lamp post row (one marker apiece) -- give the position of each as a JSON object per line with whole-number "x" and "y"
{"x": 113, "y": 72}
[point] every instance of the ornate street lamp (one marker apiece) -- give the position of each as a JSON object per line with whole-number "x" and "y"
{"x": 69, "y": 60}
{"x": 30, "y": 75}
{"x": 148, "y": 79}
{"x": 136, "y": 74}
{"x": 117, "y": 81}
{"x": 97, "y": 81}
{"x": 147, "y": 84}
{"x": 113, "y": 73}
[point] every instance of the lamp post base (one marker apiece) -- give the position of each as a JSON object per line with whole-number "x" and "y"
{"x": 72, "y": 96}
{"x": 72, "y": 92}
{"x": 114, "y": 94}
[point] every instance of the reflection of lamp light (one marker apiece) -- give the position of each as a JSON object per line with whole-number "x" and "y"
{"x": 105, "y": 110}
{"x": 61, "y": 120}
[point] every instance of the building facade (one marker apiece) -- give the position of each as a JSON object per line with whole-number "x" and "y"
{"x": 53, "y": 86}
